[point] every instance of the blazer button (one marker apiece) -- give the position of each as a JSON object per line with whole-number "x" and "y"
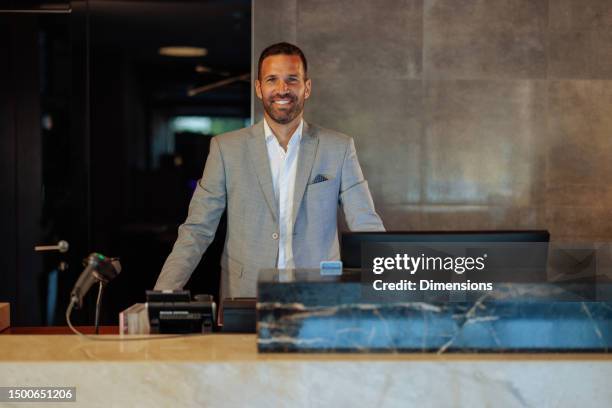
{"x": 274, "y": 235}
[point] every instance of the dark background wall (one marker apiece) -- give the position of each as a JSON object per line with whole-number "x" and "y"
{"x": 466, "y": 114}
{"x": 20, "y": 168}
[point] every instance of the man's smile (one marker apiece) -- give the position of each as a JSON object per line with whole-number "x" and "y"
{"x": 283, "y": 101}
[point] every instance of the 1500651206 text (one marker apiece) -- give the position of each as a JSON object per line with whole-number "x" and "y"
{"x": 37, "y": 394}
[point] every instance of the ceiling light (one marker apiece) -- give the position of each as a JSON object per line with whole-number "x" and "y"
{"x": 202, "y": 69}
{"x": 180, "y": 51}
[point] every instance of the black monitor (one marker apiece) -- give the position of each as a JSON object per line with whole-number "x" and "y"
{"x": 350, "y": 251}
{"x": 239, "y": 315}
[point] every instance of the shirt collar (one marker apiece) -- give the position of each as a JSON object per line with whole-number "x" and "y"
{"x": 295, "y": 137}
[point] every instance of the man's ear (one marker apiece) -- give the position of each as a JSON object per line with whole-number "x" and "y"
{"x": 308, "y": 85}
{"x": 258, "y": 89}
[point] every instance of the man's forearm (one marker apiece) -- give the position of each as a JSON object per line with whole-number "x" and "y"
{"x": 355, "y": 197}
{"x": 358, "y": 208}
{"x": 195, "y": 235}
{"x": 183, "y": 259}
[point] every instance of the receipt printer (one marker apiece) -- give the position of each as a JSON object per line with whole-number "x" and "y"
{"x": 175, "y": 312}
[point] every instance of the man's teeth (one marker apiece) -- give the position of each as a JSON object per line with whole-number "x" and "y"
{"x": 282, "y": 102}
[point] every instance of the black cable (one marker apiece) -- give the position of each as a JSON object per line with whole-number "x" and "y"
{"x": 98, "y": 305}
{"x": 120, "y": 339}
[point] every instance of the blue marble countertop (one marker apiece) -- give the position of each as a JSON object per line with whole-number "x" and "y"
{"x": 302, "y": 311}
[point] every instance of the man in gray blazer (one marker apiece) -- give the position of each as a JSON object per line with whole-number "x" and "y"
{"x": 281, "y": 180}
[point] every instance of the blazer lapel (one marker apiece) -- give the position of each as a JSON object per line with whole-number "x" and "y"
{"x": 259, "y": 155}
{"x": 306, "y": 157}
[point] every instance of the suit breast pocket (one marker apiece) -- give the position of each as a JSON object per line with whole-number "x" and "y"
{"x": 326, "y": 187}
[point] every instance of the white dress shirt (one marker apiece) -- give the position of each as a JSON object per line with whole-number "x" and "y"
{"x": 284, "y": 168}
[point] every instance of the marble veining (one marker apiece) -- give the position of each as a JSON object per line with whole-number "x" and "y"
{"x": 308, "y": 383}
{"x": 307, "y": 315}
{"x": 221, "y": 370}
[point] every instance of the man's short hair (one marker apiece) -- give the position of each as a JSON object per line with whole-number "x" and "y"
{"x": 282, "y": 48}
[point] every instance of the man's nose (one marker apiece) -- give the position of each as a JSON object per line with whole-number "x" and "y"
{"x": 282, "y": 87}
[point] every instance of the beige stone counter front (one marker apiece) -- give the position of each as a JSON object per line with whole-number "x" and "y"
{"x": 226, "y": 370}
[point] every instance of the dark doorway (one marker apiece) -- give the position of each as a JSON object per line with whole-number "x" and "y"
{"x": 120, "y": 136}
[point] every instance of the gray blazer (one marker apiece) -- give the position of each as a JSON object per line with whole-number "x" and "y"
{"x": 237, "y": 174}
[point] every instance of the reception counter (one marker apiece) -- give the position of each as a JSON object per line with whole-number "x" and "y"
{"x": 303, "y": 310}
{"x": 226, "y": 370}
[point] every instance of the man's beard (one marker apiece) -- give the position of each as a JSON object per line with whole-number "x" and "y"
{"x": 286, "y": 115}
